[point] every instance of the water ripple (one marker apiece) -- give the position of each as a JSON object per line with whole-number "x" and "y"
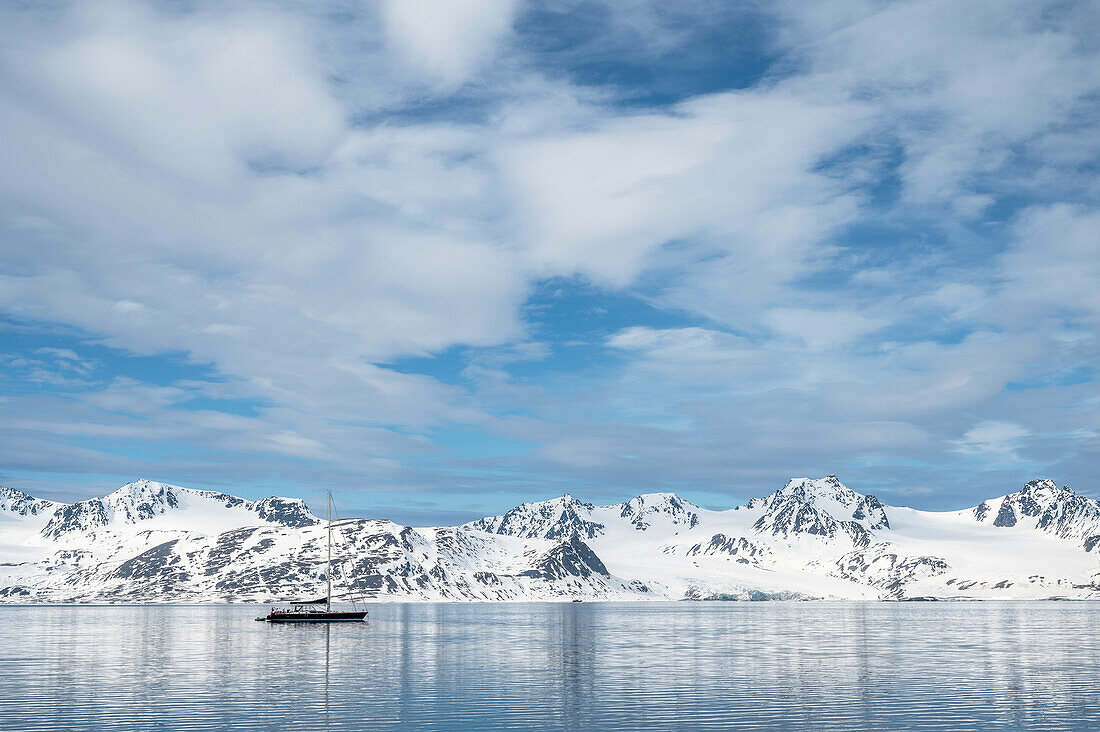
{"x": 675, "y": 666}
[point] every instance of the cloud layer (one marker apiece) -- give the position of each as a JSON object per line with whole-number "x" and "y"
{"x": 449, "y": 251}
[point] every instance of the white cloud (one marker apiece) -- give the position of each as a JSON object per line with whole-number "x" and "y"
{"x": 821, "y": 329}
{"x": 690, "y": 361}
{"x": 65, "y": 354}
{"x": 959, "y": 84}
{"x": 731, "y": 173}
{"x": 1053, "y": 267}
{"x": 225, "y": 329}
{"x": 447, "y": 40}
{"x": 200, "y": 98}
{"x": 1000, "y": 439}
{"x": 676, "y": 343}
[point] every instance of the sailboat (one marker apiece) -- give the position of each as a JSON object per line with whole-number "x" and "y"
{"x": 309, "y": 611}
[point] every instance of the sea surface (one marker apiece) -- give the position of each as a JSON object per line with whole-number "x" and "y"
{"x": 548, "y": 666}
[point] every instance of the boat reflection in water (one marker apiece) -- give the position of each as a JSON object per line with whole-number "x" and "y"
{"x": 308, "y": 611}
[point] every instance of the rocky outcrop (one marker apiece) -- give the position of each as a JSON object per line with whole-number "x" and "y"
{"x": 738, "y": 548}
{"x": 18, "y": 503}
{"x": 882, "y": 567}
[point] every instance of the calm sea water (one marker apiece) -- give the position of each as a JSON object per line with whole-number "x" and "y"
{"x": 800, "y": 666}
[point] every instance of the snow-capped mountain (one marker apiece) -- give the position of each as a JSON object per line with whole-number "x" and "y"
{"x": 1043, "y": 505}
{"x": 136, "y": 503}
{"x": 18, "y": 503}
{"x": 821, "y": 507}
{"x": 553, "y": 519}
{"x": 810, "y": 539}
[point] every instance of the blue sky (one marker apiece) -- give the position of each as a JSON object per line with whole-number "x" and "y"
{"x": 443, "y": 257}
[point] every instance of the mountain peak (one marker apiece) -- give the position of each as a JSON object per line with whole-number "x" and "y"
{"x": 820, "y": 506}
{"x": 556, "y": 518}
{"x": 284, "y": 511}
{"x": 142, "y": 485}
{"x": 564, "y": 499}
{"x": 1060, "y": 511}
{"x": 144, "y": 492}
{"x": 24, "y": 504}
{"x": 821, "y": 489}
{"x": 14, "y": 494}
{"x": 643, "y": 510}
{"x": 145, "y": 499}
{"x": 1046, "y": 488}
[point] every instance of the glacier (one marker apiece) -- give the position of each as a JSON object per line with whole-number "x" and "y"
{"x": 813, "y": 539}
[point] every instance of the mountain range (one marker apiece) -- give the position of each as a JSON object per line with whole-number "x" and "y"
{"x": 811, "y": 539}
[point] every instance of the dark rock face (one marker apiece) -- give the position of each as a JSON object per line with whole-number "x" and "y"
{"x": 149, "y": 564}
{"x": 487, "y": 578}
{"x": 871, "y": 509}
{"x": 796, "y": 517}
{"x": 860, "y": 536}
{"x": 76, "y": 517}
{"x": 738, "y": 547}
{"x": 285, "y": 512}
{"x": 1059, "y": 511}
{"x": 147, "y": 509}
{"x": 572, "y": 558}
{"x": 1006, "y": 516}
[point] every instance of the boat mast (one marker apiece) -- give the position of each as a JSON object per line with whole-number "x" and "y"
{"x": 328, "y": 566}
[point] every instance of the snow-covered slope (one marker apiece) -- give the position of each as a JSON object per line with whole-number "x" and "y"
{"x": 810, "y": 539}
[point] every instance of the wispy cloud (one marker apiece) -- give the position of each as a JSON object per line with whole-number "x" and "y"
{"x": 996, "y": 438}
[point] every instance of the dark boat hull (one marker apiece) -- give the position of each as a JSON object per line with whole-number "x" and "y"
{"x": 323, "y": 617}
